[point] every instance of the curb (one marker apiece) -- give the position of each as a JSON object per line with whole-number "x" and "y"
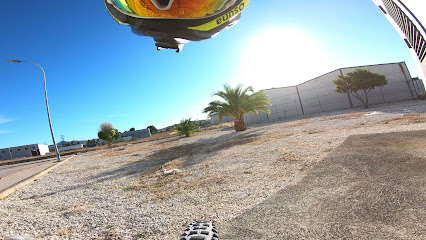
{"x": 30, "y": 179}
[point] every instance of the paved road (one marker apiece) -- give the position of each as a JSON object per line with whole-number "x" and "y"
{"x": 7, "y": 170}
{"x": 11, "y": 175}
{"x": 370, "y": 187}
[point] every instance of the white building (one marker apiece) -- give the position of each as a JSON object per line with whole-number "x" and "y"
{"x": 142, "y": 133}
{"x": 78, "y": 146}
{"x": 408, "y": 17}
{"x": 23, "y": 151}
{"x": 318, "y": 95}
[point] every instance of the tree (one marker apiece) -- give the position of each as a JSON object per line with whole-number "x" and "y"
{"x": 359, "y": 80}
{"x": 237, "y": 103}
{"x": 185, "y": 127}
{"x": 152, "y": 129}
{"x": 108, "y": 133}
{"x": 132, "y": 129}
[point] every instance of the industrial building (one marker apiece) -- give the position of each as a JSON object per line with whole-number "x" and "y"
{"x": 143, "y": 133}
{"x": 407, "y": 16}
{"x": 319, "y": 95}
{"x": 23, "y": 151}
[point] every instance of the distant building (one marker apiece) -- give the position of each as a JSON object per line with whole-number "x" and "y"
{"x": 408, "y": 17}
{"x": 78, "y": 146}
{"x": 318, "y": 95}
{"x": 24, "y": 151}
{"x": 143, "y": 133}
{"x": 69, "y": 143}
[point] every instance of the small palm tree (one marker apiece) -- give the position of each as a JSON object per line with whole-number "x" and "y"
{"x": 185, "y": 127}
{"x": 237, "y": 103}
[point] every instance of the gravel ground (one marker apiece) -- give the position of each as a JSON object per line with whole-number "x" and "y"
{"x": 373, "y": 186}
{"x": 122, "y": 194}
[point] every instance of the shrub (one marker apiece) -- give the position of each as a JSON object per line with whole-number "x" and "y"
{"x": 186, "y": 127}
{"x": 108, "y": 133}
{"x": 152, "y": 129}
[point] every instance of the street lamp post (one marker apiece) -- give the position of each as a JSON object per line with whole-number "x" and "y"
{"x": 58, "y": 156}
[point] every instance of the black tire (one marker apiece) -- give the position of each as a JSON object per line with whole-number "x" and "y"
{"x": 200, "y": 230}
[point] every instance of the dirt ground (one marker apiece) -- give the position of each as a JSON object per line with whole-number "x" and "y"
{"x": 351, "y": 174}
{"x": 370, "y": 187}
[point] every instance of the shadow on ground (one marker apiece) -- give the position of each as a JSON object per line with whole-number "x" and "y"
{"x": 370, "y": 187}
{"x": 191, "y": 153}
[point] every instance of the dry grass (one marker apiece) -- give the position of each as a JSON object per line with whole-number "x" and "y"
{"x": 221, "y": 125}
{"x": 65, "y": 232}
{"x": 111, "y": 235}
{"x": 313, "y": 131}
{"x": 174, "y": 164}
{"x": 263, "y": 139}
{"x": 162, "y": 188}
{"x": 288, "y": 155}
{"x": 299, "y": 123}
{"x": 345, "y": 116}
{"x": 410, "y": 118}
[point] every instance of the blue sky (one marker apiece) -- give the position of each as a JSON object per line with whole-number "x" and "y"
{"x": 99, "y": 71}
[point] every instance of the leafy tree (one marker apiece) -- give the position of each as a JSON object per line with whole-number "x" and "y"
{"x": 108, "y": 133}
{"x": 185, "y": 127}
{"x": 237, "y": 103}
{"x": 152, "y": 129}
{"x": 132, "y": 129}
{"x": 359, "y": 80}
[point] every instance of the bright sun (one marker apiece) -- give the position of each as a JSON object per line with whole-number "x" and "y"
{"x": 281, "y": 57}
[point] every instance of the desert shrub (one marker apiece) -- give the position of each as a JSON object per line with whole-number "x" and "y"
{"x": 108, "y": 133}
{"x": 185, "y": 128}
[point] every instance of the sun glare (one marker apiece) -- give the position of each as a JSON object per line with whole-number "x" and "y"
{"x": 281, "y": 57}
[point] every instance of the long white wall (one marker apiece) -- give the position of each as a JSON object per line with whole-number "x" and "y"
{"x": 318, "y": 94}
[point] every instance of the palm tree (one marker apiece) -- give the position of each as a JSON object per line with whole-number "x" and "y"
{"x": 237, "y": 103}
{"x": 185, "y": 128}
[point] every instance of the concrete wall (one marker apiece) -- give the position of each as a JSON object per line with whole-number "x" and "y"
{"x": 78, "y": 146}
{"x": 419, "y": 86}
{"x": 318, "y": 95}
{"x": 399, "y": 87}
{"x": 143, "y": 133}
